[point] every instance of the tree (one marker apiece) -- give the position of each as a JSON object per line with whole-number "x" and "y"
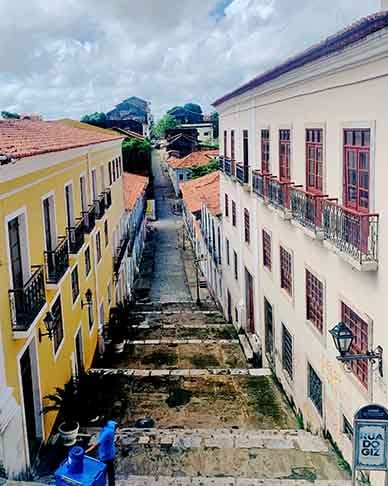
{"x": 193, "y": 113}
{"x": 165, "y": 123}
{"x": 214, "y": 118}
{"x": 202, "y": 170}
{"x": 179, "y": 113}
{"x": 10, "y": 116}
{"x": 136, "y": 154}
{"x": 98, "y": 119}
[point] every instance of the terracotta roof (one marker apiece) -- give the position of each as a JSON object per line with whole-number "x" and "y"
{"x": 337, "y": 42}
{"x": 204, "y": 190}
{"x": 201, "y": 157}
{"x": 24, "y": 138}
{"x": 86, "y": 126}
{"x": 129, "y": 133}
{"x": 133, "y": 187}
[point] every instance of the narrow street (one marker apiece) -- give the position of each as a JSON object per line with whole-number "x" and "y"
{"x": 213, "y": 419}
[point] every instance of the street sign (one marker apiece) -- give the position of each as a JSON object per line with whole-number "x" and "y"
{"x": 370, "y": 439}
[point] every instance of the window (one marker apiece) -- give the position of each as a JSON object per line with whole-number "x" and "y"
{"x": 74, "y": 284}
{"x": 265, "y": 151}
{"x": 314, "y": 301}
{"x": 347, "y": 428}
{"x": 110, "y": 173}
{"x": 245, "y": 147}
{"x": 106, "y": 234}
{"x": 109, "y": 292}
{"x": 90, "y": 316}
{"x": 267, "y": 250}
{"x": 284, "y": 155}
{"x": 235, "y": 265}
{"x": 287, "y": 352}
{"x": 314, "y": 160}
{"x": 315, "y": 389}
{"x": 87, "y": 261}
{"x": 269, "y": 331}
{"x": 226, "y": 205}
{"x": 225, "y": 143}
{"x": 234, "y": 215}
{"x": 98, "y": 246}
{"x": 82, "y": 186}
{"x": 56, "y": 311}
{"x": 360, "y": 344}
{"x": 94, "y": 184}
{"x": 247, "y": 233}
{"x": 227, "y": 251}
{"x": 286, "y": 270}
{"x": 181, "y": 177}
{"x": 113, "y": 170}
{"x": 356, "y": 169}
{"x": 232, "y": 146}
{"x": 118, "y": 167}
{"x": 236, "y": 314}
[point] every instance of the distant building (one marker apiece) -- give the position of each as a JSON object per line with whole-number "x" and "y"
{"x": 205, "y": 131}
{"x": 135, "y": 109}
{"x": 182, "y": 143}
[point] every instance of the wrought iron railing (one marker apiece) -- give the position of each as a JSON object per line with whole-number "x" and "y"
{"x": 228, "y": 166}
{"x": 27, "y": 302}
{"x": 260, "y": 183}
{"x": 221, "y": 164}
{"x": 307, "y": 208}
{"x": 89, "y": 218}
{"x": 108, "y": 198}
{"x": 279, "y": 193}
{"x": 353, "y": 233}
{"x": 76, "y": 236}
{"x": 120, "y": 251}
{"x": 57, "y": 261}
{"x": 242, "y": 173}
{"x": 100, "y": 206}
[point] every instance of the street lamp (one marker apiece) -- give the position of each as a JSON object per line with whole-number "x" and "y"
{"x": 343, "y": 339}
{"x": 89, "y": 299}
{"x": 49, "y": 322}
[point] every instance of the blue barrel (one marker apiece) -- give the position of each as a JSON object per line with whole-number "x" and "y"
{"x": 75, "y": 460}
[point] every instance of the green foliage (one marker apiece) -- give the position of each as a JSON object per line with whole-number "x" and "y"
{"x": 10, "y": 116}
{"x": 300, "y": 420}
{"x": 165, "y": 123}
{"x": 202, "y": 170}
{"x": 136, "y": 153}
{"x": 189, "y": 113}
{"x": 214, "y": 118}
{"x": 209, "y": 146}
{"x": 98, "y": 119}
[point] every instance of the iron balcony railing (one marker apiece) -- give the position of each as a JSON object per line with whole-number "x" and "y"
{"x": 76, "y": 236}
{"x": 228, "y": 166}
{"x": 242, "y": 173}
{"x": 120, "y": 251}
{"x": 260, "y": 183}
{"x": 89, "y": 218}
{"x": 57, "y": 261}
{"x": 352, "y": 232}
{"x": 108, "y": 198}
{"x": 27, "y": 302}
{"x": 100, "y": 206}
{"x": 307, "y": 208}
{"x": 221, "y": 164}
{"x": 279, "y": 194}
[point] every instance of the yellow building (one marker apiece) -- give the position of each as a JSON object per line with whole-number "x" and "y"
{"x": 60, "y": 202}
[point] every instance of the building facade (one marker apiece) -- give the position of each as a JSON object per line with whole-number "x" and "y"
{"x": 61, "y": 198}
{"x": 303, "y": 196}
{"x": 205, "y": 131}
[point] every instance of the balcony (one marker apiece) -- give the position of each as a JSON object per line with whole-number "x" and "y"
{"x": 242, "y": 173}
{"x": 353, "y": 235}
{"x": 100, "y": 206}
{"x": 260, "y": 183}
{"x": 221, "y": 164}
{"x": 76, "y": 236}
{"x": 89, "y": 218}
{"x": 307, "y": 210}
{"x": 227, "y": 166}
{"x": 279, "y": 196}
{"x": 57, "y": 261}
{"x": 120, "y": 252}
{"x": 27, "y": 302}
{"x": 108, "y": 198}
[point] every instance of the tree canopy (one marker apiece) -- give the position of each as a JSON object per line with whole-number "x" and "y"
{"x": 10, "y": 116}
{"x": 202, "y": 170}
{"x": 189, "y": 113}
{"x": 98, "y": 119}
{"x": 165, "y": 123}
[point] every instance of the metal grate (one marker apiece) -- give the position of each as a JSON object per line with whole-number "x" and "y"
{"x": 315, "y": 389}
{"x": 287, "y": 352}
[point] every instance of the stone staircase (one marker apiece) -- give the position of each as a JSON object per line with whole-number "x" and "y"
{"x": 202, "y": 481}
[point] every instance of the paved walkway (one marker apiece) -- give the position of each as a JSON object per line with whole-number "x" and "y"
{"x": 169, "y": 283}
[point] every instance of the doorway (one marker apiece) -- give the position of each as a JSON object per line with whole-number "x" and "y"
{"x": 230, "y": 317}
{"x": 79, "y": 358}
{"x": 249, "y": 303}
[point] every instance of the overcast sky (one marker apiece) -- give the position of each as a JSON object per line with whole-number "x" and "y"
{"x": 65, "y": 58}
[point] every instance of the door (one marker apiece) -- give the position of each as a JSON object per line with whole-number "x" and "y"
{"x": 49, "y": 231}
{"x": 269, "y": 331}
{"x": 84, "y": 203}
{"x": 230, "y": 318}
{"x": 15, "y": 253}
{"x": 94, "y": 185}
{"x": 249, "y": 303}
{"x": 29, "y": 403}
{"x": 79, "y": 360}
{"x": 69, "y": 205}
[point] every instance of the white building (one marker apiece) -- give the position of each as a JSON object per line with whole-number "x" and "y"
{"x": 205, "y": 131}
{"x": 304, "y": 193}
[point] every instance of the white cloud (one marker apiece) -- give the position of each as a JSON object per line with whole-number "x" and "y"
{"x": 70, "y": 57}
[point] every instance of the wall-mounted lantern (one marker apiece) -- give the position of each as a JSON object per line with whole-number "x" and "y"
{"x": 49, "y": 323}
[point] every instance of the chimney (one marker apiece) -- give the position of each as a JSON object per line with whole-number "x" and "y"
{"x": 384, "y": 5}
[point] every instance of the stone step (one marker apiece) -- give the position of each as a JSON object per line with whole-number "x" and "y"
{"x": 220, "y": 481}
{"x": 185, "y": 372}
{"x": 153, "y": 342}
{"x": 246, "y": 347}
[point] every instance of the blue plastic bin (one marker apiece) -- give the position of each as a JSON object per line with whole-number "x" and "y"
{"x": 93, "y": 474}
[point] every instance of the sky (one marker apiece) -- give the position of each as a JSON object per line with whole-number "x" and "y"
{"x": 66, "y": 58}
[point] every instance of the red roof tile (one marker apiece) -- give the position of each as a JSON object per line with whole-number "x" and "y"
{"x": 133, "y": 187}
{"x": 25, "y": 138}
{"x": 201, "y": 157}
{"x": 204, "y": 190}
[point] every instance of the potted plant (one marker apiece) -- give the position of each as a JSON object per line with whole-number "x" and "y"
{"x": 66, "y": 401}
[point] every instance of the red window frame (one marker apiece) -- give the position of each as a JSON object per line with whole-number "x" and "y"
{"x": 267, "y": 250}
{"x": 226, "y": 205}
{"x": 232, "y": 145}
{"x": 357, "y": 169}
{"x": 225, "y": 143}
{"x": 284, "y": 155}
{"x": 314, "y": 160}
{"x": 247, "y": 231}
{"x": 360, "y": 343}
{"x": 286, "y": 270}
{"x": 234, "y": 215}
{"x": 314, "y": 301}
{"x": 265, "y": 151}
